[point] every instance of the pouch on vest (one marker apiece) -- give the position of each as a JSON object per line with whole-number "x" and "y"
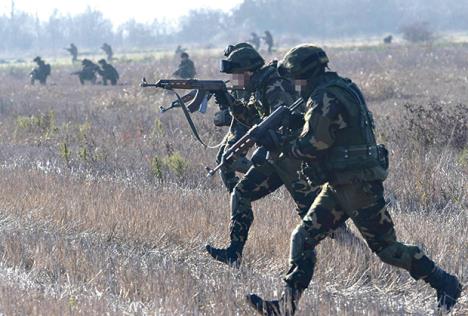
{"x": 315, "y": 172}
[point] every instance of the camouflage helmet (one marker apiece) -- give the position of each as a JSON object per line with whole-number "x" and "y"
{"x": 37, "y": 59}
{"x": 240, "y": 60}
{"x": 304, "y": 61}
{"x": 102, "y": 61}
{"x": 230, "y": 48}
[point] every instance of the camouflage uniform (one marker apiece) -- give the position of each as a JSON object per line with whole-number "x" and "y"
{"x": 186, "y": 69}
{"x": 108, "y": 50}
{"x": 108, "y": 73}
{"x": 73, "y": 50}
{"x": 255, "y": 40}
{"x": 338, "y": 138}
{"x": 237, "y": 129}
{"x": 268, "y": 91}
{"x": 268, "y": 38}
{"x": 41, "y": 72}
{"x": 88, "y": 72}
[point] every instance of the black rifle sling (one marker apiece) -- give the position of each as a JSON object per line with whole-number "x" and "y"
{"x": 192, "y": 125}
{"x": 189, "y": 119}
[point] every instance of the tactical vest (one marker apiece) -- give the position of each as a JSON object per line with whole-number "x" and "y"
{"x": 258, "y": 84}
{"x": 355, "y": 154}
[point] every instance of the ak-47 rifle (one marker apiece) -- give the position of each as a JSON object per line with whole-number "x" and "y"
{"x": 202, "y": 90}
{"x": 195, "y": 100}
{"x": 272, "y": 121}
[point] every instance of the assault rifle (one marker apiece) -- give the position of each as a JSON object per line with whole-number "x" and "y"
{"x": 195, "y": 100}
{"x": 272, "y": 121}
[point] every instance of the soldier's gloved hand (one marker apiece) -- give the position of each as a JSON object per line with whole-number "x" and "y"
{"x": 223, "y": 99}
{"x": 222, "y": 118}
{"x": 271, "y": 140}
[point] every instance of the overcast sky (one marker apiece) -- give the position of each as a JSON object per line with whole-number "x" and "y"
{"x": 117, "y": 11}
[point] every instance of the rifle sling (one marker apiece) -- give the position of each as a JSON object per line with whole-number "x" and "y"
{"x": 192, "y": 125}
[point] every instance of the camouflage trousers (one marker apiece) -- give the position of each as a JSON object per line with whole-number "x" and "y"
{"x": 260, "y": 181}
{"x": 364, "y": 204}
{"x": 238, "y": 164}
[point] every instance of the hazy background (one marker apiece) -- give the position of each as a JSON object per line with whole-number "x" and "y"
{"x": 36, "y": 27}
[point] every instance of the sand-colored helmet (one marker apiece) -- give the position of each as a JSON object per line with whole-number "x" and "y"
{"x": 304, "y": 62}
{"x": 240, "y": 60}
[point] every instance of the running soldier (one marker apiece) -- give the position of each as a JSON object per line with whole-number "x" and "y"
{"x": 338, "y": 139}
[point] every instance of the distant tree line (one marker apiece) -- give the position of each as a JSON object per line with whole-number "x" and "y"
{"x": 305, "y": 19}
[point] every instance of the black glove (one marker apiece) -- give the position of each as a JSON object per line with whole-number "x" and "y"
{"x": 223, "y": 99}
{"x": 270, "y": 140}
{"x": 222, "y": 118}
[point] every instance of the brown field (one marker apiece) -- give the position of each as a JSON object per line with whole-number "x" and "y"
{"x": 105, "y": 209}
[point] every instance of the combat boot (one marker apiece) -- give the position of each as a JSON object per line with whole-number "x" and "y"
{"x": 231, "y": 255}
{"x": 285, "y": 306}
{"x": 447, "y": 286}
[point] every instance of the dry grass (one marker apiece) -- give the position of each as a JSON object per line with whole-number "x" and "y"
{"x": 104, "y": 208}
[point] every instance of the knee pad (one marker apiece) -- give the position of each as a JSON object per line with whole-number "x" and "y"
{"x": 400, "y": 255}
{"x": 241, "y": 206}
{"x": 302, "y": 246}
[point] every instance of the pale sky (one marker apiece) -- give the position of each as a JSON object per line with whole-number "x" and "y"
{"x": 118, "y": 11}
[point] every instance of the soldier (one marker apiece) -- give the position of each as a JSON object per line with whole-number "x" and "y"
{"x": 88, "y": 72}
{"x": 268, "y": 90}
{"x": 41, "y": 72}
{"x": 186, "y": 69}
{"x": 268, "y": 38}
{"x": 237, "y": 129}
{"x": 108, "y": 50}
{"x": 107, "y": 72}
{"x": 388, "y": 39}
{"x": 179, "y": 50}
{"x": 73, "y": 50}
{"x": 254, "y": 40}
{"x": 338, "y": 135}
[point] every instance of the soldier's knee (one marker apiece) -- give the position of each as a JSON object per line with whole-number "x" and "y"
{"x": 399, "y": 255}
{"x": 302, "y": 245}
{"x": 240, "y": 205}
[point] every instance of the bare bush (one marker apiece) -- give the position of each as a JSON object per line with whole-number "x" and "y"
{"x": 417, "y": 32}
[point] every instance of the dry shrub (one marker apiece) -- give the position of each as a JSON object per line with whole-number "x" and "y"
{"x": 436, "y": 124}
{"x": 417, "y": 32}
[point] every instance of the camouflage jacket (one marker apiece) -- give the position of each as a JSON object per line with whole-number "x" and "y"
{"x": 108, "y": 72}
{"x": 267, "y": 91}
{"x": 186, "y": 69}
{"x": 338, "y": 131}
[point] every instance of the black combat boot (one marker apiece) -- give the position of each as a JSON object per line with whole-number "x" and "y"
{"x": 231, "y": 255}
{"x": 285, "y": 306}
{"x": 447, "y": 286}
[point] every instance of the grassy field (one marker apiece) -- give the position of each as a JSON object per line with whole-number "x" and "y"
{"x": 105, "y": 209}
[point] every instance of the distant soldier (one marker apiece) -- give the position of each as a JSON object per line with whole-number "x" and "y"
{"x": 88, "y": 73}
{"x": 388, "y": 39}
{"x": 108, "y": 50}
{"x": 254, "y": 40}
{"x": 41, "y": 72}
{"x": 108, "y": 73}
{"x": 73, "y": 50}
{"x": 268, "y": 38}
{"x": 186, "y": 69}
{"x": 179, "y": 50}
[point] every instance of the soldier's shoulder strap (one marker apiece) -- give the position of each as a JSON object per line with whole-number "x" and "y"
{"x": 365, "y": 116}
